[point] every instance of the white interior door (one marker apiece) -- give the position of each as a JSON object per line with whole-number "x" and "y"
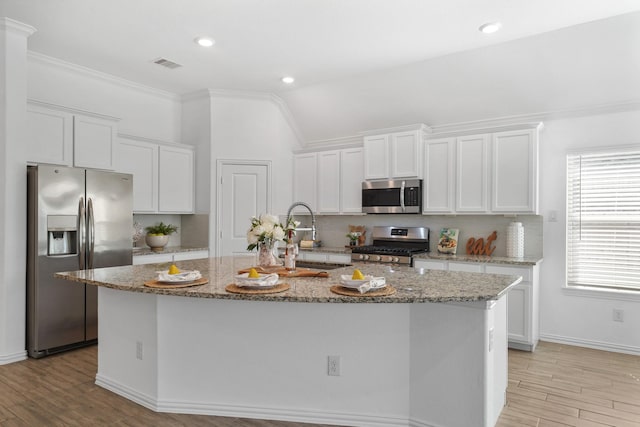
{"x": 244, "y": 191}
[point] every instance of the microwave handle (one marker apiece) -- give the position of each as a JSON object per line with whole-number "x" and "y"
{"x": 402, "y": 196}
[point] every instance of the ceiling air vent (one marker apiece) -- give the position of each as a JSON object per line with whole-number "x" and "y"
{"x": 166, "y": 63}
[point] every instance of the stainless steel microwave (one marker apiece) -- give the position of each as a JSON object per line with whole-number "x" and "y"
{"x": 393, "y": 196}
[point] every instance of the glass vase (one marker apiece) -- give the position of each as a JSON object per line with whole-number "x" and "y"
{"x": 267, "y": 255}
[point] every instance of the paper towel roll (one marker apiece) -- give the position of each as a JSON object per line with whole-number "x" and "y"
{"x": 515, "y": 240}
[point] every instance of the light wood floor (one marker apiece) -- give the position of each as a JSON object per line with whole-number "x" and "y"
{"x": 556, "y": 385}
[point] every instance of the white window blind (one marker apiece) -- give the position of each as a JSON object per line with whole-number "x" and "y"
{"x": 603, "y": 219}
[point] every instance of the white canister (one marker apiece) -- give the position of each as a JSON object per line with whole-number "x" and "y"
{"x": 515, "y": 240}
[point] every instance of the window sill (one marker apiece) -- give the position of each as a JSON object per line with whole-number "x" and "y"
{"x": 592, "y": 292}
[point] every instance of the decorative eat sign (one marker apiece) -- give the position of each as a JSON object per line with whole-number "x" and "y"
{"x": 479, "y": 247}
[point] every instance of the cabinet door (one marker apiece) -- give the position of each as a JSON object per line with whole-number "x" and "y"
{"x": 472, "y": 173}
{"x": 141, "y": 160}
{"x": 94, "y": 140}
{"x": 419, "y": 264}
{"x": 329, "y": 182}
{"x": 439, "y": 175}
{"x": 406, "y": 154}
{"x": 376, "y": 157}
{"x": 469, "y": 267}
{"x": 49, "y": 136}
{"x": 352, "y": 173}
{"x": 515, "y": 172}
{"x": 175, "y": 182}
{"x": 519, "y": 313}
{"x": 305, "y": 169}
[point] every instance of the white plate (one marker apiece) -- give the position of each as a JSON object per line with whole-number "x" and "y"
{"x": 185, "y": 276}
{"x": 376, "y": 282}
{"x": 262, "y": 281}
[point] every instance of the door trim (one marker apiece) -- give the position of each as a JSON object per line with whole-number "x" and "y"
{"x": 220, "y": 163}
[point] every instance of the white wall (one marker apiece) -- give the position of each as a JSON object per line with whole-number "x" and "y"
{"x": 571, "y": 318}
{"x": 143, "y": 111}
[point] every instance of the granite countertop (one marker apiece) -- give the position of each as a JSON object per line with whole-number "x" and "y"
{"x": 412, "y": 286}
{"x": 167, "y": 250}
{"x": 480, "y": 258}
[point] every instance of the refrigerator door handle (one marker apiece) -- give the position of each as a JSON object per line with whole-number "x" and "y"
{"x": 82, "y": 230}
{"x": 92, "y": 232}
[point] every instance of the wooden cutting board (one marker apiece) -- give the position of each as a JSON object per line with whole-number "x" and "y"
{"x": 283, "y": 272}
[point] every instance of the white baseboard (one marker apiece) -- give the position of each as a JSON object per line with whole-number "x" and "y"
{"x": 264, "y": 413}
{"x": 598, "y": 345}
{"x": 18, "y": 356}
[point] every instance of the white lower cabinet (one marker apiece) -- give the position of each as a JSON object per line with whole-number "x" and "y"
{"x": 169, "y": 257}
{"x": 324, "y": 257}
{"x": 522, "y": 299}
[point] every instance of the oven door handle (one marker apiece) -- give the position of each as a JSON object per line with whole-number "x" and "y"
{"x": 402, "y": 196}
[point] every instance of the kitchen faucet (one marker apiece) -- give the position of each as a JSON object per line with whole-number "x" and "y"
{"x": 313, "y": 219}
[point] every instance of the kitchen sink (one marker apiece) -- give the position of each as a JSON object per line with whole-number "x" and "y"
{"x": 320, "y": 265}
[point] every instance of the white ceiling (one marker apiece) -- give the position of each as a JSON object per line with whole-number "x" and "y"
{"x": 336, "y": 49}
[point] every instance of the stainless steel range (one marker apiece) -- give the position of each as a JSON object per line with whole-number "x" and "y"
{"x": 395, "y": 245}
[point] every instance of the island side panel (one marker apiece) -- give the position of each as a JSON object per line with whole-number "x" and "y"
{"x": 127, "y": 349}
{"x": 456, "y": 379}
{"x": 269, "y": 360}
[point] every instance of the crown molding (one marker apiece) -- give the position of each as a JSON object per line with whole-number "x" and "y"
{"x": 16, "y": 27}
{"x": 405, "y": 128}
{"x": 534, "y": 120}
{"x": 99, "y": 75}
{"x": 152, "y": 140}
{"x": 71, "y": 110}
{"x": 333, "y": 144}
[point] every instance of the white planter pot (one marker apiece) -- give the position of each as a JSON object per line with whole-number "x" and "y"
{"x": 156, "y": 242}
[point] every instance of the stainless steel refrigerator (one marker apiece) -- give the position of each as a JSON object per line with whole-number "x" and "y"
{"x": 77, "y": 219}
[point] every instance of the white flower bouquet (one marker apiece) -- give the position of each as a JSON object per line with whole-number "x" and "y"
{"x": 267, "y": 229}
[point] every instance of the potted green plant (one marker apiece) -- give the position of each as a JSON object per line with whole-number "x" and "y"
{"x": 158, "y": 235}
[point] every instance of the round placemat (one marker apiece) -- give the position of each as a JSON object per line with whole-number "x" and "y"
{"x": 163, "y": 285}
{"x": 383, "y": 292}
{"x": 235, "y": 289}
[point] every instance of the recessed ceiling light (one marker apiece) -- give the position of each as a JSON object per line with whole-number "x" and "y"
{"x": 490, "y": 27}
{"x": 205, "y": 41}
{"x": 288, "y": 80}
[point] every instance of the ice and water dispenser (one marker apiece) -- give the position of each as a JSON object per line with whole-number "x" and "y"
{"x": 62, "y": 234}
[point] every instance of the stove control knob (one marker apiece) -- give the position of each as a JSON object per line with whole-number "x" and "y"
{"x": 377, "y": 258}
{"x": 366, "y": 257}
{"x": 396, "y": 259}
{"x": 362, "y": 256}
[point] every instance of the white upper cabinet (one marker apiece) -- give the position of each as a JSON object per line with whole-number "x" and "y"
{"x": 62, "y": 136}
{"x": 352, "y": 175}
{"x": 176, "y": 177}
{"x": 163, "y": 175}
{"x": 329, "y": 181}
{"x": 406, "y": 150}
{"x": 394, "y": 155}
{"x": 472, "y": 167}
{"x": 305, "y": 179}
{"x": 439, "y": 176}
{"x": 515, "y": 171}
{"x": 50, "y": 135}
{"x": 140, "y": 159}
{"x": 94, "y": 140}
{"x": 485, "y": 173}
{"x": 376, "y": 157}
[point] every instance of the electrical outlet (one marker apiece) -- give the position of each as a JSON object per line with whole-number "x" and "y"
{"x": 139, "y": 350}
{"x": 618, "y": 315}
{"x": 333, "y": 366}
{"x": 490, "y": 339}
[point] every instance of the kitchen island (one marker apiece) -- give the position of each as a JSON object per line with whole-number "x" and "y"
{"x": 434, "y": 353}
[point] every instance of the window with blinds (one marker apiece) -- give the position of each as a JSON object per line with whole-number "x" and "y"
{"x": 603, "y": 219}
